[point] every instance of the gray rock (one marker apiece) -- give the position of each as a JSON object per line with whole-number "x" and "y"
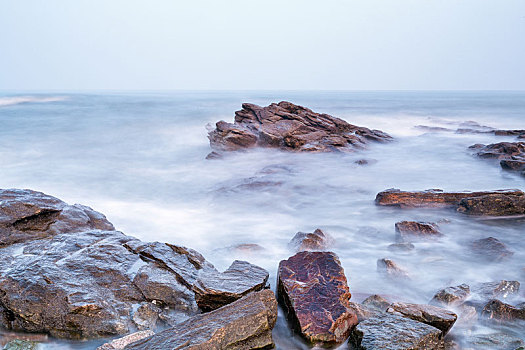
{"x": 491, "y": 249}
{"x": 451, "y": 295}
{"x": 244, "y": 324}
{"x": 120, "y": 343}
{"x": 376, "y": 302}
{"x": 500, "y": 341}
{"x": 19, "y": 344}
{"x": 392, "y": 332}
{"x": 438, "y": 317}
{"x": 391, "y": 269}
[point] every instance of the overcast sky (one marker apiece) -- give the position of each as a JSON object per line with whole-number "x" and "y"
{"x": 262, "y": 44}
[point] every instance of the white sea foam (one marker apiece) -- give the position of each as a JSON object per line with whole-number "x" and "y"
{"x": 15, "y": 100}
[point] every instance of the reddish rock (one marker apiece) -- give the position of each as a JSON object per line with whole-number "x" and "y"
{"x": 433, "y": 198}
{"x": 500, "y": 311}
{"x": 213, "y": 289}
{"x": 493, "y": 205}
{"x": 316, "y": 241}
{"x": 490, "y": 249}
{"x": 314, "y": 293}
{"x": 391, "y": 269}
{"x": 434, "y": 316}
{"x": 451, "y": 295}
{"x": 409, "y": 229}
{"x": 501, "y": 150}
{"x": 290, "y": 127}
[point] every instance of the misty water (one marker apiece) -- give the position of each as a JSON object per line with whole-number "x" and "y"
{"x": 140, "y": 159}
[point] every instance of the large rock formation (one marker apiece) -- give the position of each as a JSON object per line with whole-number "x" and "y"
{"x": 66, "y": 272}
{"x": 290, "y": 127}
{"x": 213, "y": 290}
{"x": 510, "y": 154}
{"x": 244, "y": 324}
{"x": 393, "y": 332}
{"x": 490, "y": 203}
{"x": 451, "y": 295}
{"x": 314, "y": 293}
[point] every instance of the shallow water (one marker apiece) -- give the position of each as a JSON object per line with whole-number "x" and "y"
{"x": 140, "y": 160}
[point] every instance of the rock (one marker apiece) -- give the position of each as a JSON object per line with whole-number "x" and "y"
{"x": 428, "y": 128}
{"x": 314, "y": 293}
{"x": 376, "y": 302}
{"x": 27, "y": 215}
{"x": 244, "y": 324}
{"x": 393, "y": 332}
{"x": 438, "y": 317}
{"x": 406, "y": 230}
{"x": 213, "y": 289}
{"x": 435, "y": 198}
{"x": 493, "y": 205}
{"x": 490, "y": 249}
{"x": 120, "y": 343}
{"x": 361, "y": 311}
{"x": 146, "y": 316}
{"x": 500, "y": 311}
{"x": 21, "y": 345}
{"x": 513, "y": 164}
{"x": 509, "y": 132}
{"x": 64, "y": 274}
{"x": 510, "y": 154}
{"x": 391, "y": 269}
{"x": 467, "y": 315}
{"x": 500, "y": 289}
{"x": 500, "y": 341}
{"x": 365, "y": 161}
{"x": 290, "y": 127}
{"x": 451, "y": 295}
{"x": 247, "y": 248}
{"x": 401, "y": 247}
{"x": 316, "y": 241}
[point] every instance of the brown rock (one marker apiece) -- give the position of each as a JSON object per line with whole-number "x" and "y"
{"x": 493, "y": 205}
{"x": 314, "y": 293}
{"x": 433, "y": 198}
{"x": 290, "y": 127}
{"x": 513, "y": 164}
{"x": 244, "y": 324}
{"x": 391, "y": 269}
{"x": 500, "y": 311}
{"x": 501, "y": 150}
{"x": 435, "y": 316}
{"x": 490, "y": 249}
{"x": 316, "y": 241}
{"x": 406, "y": 230}
{"x": 451, "y": 295}
{"x": 213, "y": 290}
{"x": 120, "y": 343}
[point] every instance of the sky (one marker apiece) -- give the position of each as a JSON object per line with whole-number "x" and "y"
{"x": 262, "y": 44}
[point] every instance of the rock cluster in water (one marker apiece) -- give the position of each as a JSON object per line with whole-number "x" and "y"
{"x": 511, "y": 155}
{"x": 289, "y": 127}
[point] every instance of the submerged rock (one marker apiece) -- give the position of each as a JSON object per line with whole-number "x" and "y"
{"x": 438, "y": 317}
{"x": 290, "y": 127}
{"x": 244, "y": 324}
{"x": 64, "y": 273}
{"x": 401, "y": 247}
{"x": 393, "y": 332}
{"x": 314, "y": 293}
{"x": 451, "y": 295}
{"x": 376, "y": 302}
{"x": 391, "y": 269}
{"x": 492, "y": 203}
{"x": 21, "y": 345}
{"x": 490, "y": 249}
{"x": 213, "y": 289}
{"x": 406, "y": 230}
{"x": 316, "y": 241}
{"x": 499, "y": 289}
{"x": 500, "y": 341}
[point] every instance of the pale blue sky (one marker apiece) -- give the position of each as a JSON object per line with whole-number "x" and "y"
{"x": 262, "y": 44}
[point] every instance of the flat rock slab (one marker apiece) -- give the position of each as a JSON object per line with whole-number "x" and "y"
{"x": 244, "y": 324}
{"x": 314, "y": 293}
{"x": 489, "y": 203}
{"x": 213, "y": 290}
{"x": 438, "y": 317}
{"x": 393, "y": 332}
{"x": 66, "y": 272}
{"x": 290, "y": 127}
{"x": 406, "y": 230}
{"x": 312, "y": 241}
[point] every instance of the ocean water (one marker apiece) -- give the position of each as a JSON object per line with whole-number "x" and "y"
{"x": 139, "y": 158}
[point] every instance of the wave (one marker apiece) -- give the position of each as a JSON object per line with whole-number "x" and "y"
{"x": 15, "y": 100}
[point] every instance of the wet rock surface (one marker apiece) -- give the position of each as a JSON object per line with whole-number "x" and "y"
{"x": 213, "y": 290}
{"x": 490, "y": 203}
{"x": 407, "y": 230}
{"x": 290, "y": 127}
{"x": 314, "y": 241}
{"x": 121, "y": 343}
{"x": 391, "y": 269}
{"x": 438, "y": 317}
{"x": 510, "y": 154}
{"x": 314, "y": 293}
{"x": 490, "y": 249}
{"x": 500, "y": 311}
{"x": 244, "y": 324}
{"x": 65, "y": 274}
{"x": 451, "y": 295}
{"x": 393, "y": 332}
{"x": 376, "y": 302}
{"x": 500, "y": 341}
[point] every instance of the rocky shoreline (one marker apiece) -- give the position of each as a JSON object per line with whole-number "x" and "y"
{"x": 67, "y": 273}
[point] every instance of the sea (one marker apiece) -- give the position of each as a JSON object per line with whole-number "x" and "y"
{"x": 140, "y": 158}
